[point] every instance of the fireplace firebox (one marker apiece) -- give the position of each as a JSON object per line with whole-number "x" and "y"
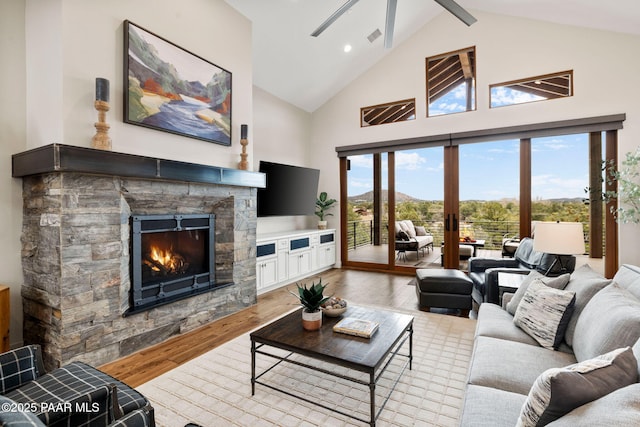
{"x": 172, "y": 258}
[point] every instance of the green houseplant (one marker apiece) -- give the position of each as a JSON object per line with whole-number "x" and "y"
{"x": 628, "y": 188}
{"x": 323, "y": 204}
{"x": 311, "y": 299}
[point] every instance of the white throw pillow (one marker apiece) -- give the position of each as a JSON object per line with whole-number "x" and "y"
{"x": 544, "y": 313}
{"x": 553, "y": 282}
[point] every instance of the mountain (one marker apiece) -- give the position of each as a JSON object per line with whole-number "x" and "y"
{"x": 368, "y": 197}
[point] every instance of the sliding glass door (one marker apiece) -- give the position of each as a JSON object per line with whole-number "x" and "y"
{"x": 489, "y": 195}
{"x": 469, "y": 191}
{"x": 367, "y": 215}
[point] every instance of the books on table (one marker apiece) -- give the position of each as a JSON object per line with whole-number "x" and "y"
{"x": 358, "y": 327}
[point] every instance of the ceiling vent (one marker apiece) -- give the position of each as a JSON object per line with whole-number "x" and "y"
{"x": 373, "y": 36}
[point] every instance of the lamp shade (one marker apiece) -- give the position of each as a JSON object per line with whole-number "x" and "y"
{"x": 559, "y": 238}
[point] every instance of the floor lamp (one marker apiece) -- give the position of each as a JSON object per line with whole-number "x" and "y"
{"x": 559, "y": 238}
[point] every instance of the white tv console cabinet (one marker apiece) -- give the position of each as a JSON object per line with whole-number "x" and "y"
{"x": 282, "y": 258}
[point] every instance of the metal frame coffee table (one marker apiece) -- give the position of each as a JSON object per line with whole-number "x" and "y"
{"x": 371, "y": 356}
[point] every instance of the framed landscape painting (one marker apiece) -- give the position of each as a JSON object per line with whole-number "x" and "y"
{"x": 173, "y": 90}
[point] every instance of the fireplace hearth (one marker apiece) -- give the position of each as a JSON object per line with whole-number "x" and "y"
{"x": 172, "y": 258}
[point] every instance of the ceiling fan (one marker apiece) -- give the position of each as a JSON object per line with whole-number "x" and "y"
{"x": 450, "y": 5}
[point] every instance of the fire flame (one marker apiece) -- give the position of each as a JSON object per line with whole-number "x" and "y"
{"x": 166, "y": 260}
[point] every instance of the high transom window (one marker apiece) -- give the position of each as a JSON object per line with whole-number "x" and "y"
{"x": 451, "y": 80}
{"x": 392, "y": 112}
{"x": 531, "y": 89}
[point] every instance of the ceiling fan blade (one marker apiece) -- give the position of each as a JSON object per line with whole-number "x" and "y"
{"x": 457, "y": 11}
{"x": 391, "y": 20}
{"x": 337, "y": 14}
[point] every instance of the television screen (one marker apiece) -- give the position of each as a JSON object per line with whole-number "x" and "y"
{"x": 291, "y": 190}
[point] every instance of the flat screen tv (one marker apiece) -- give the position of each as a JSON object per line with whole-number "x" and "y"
{"x": 291, "y": 190}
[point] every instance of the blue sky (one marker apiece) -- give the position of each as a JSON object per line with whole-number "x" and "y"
{"x": 488, "y": 171}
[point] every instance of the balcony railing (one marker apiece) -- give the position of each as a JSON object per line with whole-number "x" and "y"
{"x": 361, "y": 233}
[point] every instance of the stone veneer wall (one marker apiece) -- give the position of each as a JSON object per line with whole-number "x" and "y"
{"x": 75, "y": 255}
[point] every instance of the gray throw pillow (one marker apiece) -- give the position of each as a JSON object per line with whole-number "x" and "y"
{"x": 611, "y": 320}
{"x": 585, "y": 283}
{"x": 553, "y": 282}
{"x": 544, "y": 313}
{"x": 421, "y": 231}
{"x": 618, "y": 408}
{"x": 558, "y": 391}
{"x": 11, "y": 417}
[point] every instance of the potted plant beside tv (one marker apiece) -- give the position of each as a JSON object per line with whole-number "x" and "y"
{"x": 311, "y": 299}
{"x": 323, "y": 204}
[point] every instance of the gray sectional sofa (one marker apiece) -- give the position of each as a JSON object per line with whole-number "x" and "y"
{"x": 510, "y": 369}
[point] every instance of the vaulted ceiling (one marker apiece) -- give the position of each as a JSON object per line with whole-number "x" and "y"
{"x": 307, "y": 71}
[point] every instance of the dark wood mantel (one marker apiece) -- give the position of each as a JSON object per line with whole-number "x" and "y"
{"x": 67, "y": 158}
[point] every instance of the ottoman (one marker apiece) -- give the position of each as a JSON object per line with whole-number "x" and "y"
{"x": 444, "y": 288}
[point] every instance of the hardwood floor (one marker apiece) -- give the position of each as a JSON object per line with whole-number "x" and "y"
{"x": 358, "y": 287}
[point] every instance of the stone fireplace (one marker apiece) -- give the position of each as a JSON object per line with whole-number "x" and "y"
{"x": 79, "y": 216}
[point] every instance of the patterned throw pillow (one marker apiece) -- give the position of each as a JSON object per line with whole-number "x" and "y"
{"x": 558, "y": 391}
{"x": 544, "y": 313}
{"x": 553, "y": 282}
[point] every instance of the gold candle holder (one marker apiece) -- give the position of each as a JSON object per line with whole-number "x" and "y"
{"x": 244, "y": 164}
{"x": 101, "y": 139}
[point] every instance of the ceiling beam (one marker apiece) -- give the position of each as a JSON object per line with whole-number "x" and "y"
{"x": 390, "y": 23}
{"x": 337, "y": 14}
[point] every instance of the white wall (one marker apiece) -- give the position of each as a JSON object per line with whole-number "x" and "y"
{"x": 507, "y": 48}
{"x": 12, "y": 140}
{"x": 71, "y": 42}
{"x": 52, "y": 51}
{"x": 281, "y": 135}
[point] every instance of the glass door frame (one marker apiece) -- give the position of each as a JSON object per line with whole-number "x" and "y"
{"x": 609, "y": 125}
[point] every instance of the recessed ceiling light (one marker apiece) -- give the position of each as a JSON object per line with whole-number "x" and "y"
{"x": 347, "y": 48}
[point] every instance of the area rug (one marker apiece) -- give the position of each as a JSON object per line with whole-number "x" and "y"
{"x": 215, "y": 388}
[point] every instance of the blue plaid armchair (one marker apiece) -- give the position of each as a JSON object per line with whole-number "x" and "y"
{"x": 75, "y": 395}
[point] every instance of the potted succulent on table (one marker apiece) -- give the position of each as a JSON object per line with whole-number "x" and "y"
{"x": 323, "y": 203}
{"x": 311, "y": 299}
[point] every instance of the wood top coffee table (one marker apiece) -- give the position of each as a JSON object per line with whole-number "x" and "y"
{"x": 368, "y": 355}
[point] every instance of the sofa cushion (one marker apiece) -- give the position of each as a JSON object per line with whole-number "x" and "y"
{"x": 585, "y": 283}
{"x": 544, "y": 313}
{"x": 490, "y": 407}
{"x": 558, "y": 391}
{"x": 610, "y": 320}
{"x": 636, "y": 352}
{"x": 494, "y": 322}
{"x": 553, "y": 282}
{"x": 619, "y": 408}
{"x": 511, "y": 366}
{"x": 628, "y": 277}
{"x": 407, "y": 227}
